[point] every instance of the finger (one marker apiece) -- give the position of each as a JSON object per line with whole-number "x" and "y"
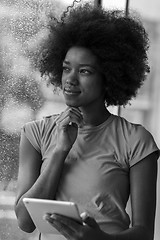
{"x": 77, "y": 111}
{"x": 72, "y": 118}
{"x": 71, "y": 109}
{"x": 80, "y": 119}
{"x": 71, "y": 223}
{"x": 64, "y": 225}
{"x": 89, "y": 220}
{"x": 60, "y": 227}
{"x": 71, "y": 112}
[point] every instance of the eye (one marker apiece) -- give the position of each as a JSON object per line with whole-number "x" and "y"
{"x": 85, "y": 71}
{"x": 66, "y": 69}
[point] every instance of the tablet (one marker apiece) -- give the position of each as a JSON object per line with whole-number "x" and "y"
{"x": 37, "y": 208}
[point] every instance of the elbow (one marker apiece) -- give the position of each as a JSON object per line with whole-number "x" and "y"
{"x": 25, "y": 226}
{"x": 24, "y": 221}
{"x": 146, "y": 233}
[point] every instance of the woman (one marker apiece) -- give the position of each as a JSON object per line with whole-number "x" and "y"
{"x": 86, "y": 154}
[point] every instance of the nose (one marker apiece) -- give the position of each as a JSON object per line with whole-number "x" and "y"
{"x": 72, "y": 79}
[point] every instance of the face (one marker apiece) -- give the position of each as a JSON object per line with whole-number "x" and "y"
{"x": 82, "y": 81}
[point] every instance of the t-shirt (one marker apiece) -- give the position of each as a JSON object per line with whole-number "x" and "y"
{"x": 96, "y": 170}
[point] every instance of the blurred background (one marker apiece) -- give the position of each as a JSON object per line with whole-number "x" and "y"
{"x": 25, "y": 97}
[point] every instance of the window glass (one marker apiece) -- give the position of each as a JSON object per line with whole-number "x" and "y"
{"x": 116, "y": 4}
{"x": 145, "y": 109}
{"x": 23, "y": 97}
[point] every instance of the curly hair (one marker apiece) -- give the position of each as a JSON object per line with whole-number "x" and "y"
{"x": 119, "y": 42}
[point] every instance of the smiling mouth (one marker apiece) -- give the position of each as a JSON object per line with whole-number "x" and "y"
{"x": 71, "y": 92}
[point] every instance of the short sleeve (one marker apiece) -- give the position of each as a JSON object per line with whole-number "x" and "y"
{"x": 32, "y": 131}
{"x": 141, "y": 144}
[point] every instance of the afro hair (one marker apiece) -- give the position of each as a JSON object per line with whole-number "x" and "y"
{"x": 119, "y": 42}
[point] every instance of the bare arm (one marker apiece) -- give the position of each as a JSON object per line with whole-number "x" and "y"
{"x": 143, "y": 178}
{"x": 35, "y": 185}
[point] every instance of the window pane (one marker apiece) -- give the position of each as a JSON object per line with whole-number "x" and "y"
{"x": 145, "y": 109}
{"x": 23, "y": 97}
{"x": 112, "y": 4}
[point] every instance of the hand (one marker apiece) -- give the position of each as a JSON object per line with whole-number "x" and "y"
{"x": 72, "y": 230}
{"x": 67, "y": 128}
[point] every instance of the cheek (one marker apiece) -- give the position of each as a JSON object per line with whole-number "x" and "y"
{"x": 96, "y": 86}
{"x": 94, "y": 91}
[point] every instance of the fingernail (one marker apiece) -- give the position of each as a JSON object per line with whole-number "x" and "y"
{"x": 53, "y": 216}
{"x": 84, "y": 215}
{"x": 46, "y": 217}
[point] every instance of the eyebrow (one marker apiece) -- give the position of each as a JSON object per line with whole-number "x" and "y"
{"x": 81, "y": 64}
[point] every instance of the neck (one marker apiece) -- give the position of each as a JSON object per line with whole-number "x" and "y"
{"x": 95, "y": 116}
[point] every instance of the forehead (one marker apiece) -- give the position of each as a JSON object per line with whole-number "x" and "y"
{"x": 80, "y": 55}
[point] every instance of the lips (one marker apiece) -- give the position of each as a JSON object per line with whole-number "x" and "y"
{"x": 70, "y": 91}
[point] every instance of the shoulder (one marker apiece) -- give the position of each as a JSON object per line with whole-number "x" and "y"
{"x": 37, "y": 131}
{"x": 131, "y": 130}
{"x": 137, "y": 140}
{"x": 40, "y": 125}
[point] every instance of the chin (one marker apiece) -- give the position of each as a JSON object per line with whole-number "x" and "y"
{"x": 72, "y": 104}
